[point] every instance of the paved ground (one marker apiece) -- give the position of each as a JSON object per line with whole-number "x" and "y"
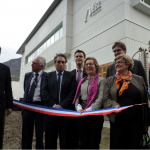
{"x": 106, "y": 124}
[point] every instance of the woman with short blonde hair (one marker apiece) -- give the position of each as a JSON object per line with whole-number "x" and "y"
{"x": 124, "y": 89}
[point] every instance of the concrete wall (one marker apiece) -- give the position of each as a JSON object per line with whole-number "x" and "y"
{"x": 15, "y": 89}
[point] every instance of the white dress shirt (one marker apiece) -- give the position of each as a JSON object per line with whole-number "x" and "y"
{"x": 37, "y": 94}
{"x": 79, "y": 106}
{"x": 77, "y": 73}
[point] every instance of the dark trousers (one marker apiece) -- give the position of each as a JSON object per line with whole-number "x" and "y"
{"x": 90, "y": 128}
{"x": 28, "y": 120}
{"x": 2, "y": 121}
{"x": 59, "y": 126}
{"x": 126, "y": 134}
{"x": 75, "y": 134}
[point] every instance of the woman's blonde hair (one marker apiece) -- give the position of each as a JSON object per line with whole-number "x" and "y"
{"x": 95, "y": 63}
{"x": 128, "y": 60}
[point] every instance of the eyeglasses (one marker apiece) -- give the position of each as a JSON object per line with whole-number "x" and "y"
{"x": 63, "y": 62}
{"x": 117, "y": 50}
{"x": 119, "y": 62}
{"x": 90, "y": 64}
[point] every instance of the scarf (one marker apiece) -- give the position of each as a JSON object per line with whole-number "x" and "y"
{"x": 124, "y": 80}
{"x": 92, "y": 90}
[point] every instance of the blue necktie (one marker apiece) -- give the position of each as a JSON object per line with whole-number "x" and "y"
{"x": 31, "y": 92}
{"x": 58, "y": 82}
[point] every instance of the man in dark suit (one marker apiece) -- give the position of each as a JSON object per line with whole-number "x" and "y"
{"x": 33, "y": 83}
{"x": 79, "y": 57}
{"x": 6, "y": 99}
{"x": 120, "y": 48}
{"x": 59, "y": 91}
{"x": 79, "y": 73}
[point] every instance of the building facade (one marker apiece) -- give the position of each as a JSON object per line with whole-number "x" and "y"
{"x": 90, "y": 25}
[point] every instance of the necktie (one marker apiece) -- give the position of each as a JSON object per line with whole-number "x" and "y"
{"x": 79, "y": 75}
{"x": 58, "y": 99}
{"x": 31, "y": 92}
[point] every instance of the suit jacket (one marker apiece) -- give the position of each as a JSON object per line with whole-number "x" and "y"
{"x": 74, "y": 72}
{"x": 27, "y": 80}
{"x": 137, "y": 69}
{"x": 83, "y": 94}
{"x": 50, "y": 90}
{"x": 110, "y": 95}
{"x": 6, "y": 98}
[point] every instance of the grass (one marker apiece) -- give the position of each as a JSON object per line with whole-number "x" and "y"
{"x": 105, "y": 138}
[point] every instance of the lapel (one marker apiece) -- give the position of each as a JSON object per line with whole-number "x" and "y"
{"x": 64, "y": 79}
{"x": 74, "y": 71}
{"x": 114, "y": 90}
{"x": 136, "y": 84}
{"x": 54, "y": 80}
{"x": 29, "y": 80}
{"x": 42, "y": 79}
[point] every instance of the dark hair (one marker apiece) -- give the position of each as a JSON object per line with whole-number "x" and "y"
{"x": 0, "y": 49}
{"x": 80, "y": 51}
{"x": 119, "y": 44}
{"x": 60, "y": 55}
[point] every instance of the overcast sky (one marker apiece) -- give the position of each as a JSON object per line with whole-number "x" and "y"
{"x": 17, "y": 19}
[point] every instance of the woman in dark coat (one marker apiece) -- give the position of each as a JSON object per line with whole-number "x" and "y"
{"x": 123, "y": 89}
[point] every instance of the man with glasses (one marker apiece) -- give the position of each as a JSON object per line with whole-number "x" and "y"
{"x": 6, "y": 99}
{"x": 33, "y": 83}
{"x": 120, "y": 48}
{"x": 58, "y": 92}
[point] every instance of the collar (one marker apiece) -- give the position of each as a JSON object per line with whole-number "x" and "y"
{"x": 89, "y": 78}
{"x": 58, "y": 72}
{"x": 38, "y": 73}
{"x": 80, "y": 69}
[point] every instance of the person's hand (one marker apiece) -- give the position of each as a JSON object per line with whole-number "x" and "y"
{"x": 146, "y": 128}
{"x": 117, "y": 106}
{"x": 8, "y": 111}
{"x": 57, "y": 106}
{"x": 80, "y": 111}
{"x": 84, "y": 110}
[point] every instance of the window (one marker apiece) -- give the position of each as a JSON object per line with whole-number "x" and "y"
{"x": 56, "y": 35}
{"x": 48, "y": 42}
{"x": 53, "y": 38}
{"x": 44, "y": 46}
{"x": 147, "y": 2}
{"x": 60, "y": 32}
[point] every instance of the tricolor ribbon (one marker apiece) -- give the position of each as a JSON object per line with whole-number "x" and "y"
{"x": 65, "y": 112}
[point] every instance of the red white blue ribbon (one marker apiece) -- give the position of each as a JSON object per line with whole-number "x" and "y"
{"x": 65, "y": 112}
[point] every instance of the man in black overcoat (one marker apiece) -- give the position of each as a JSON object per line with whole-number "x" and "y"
{"x": 6, "y": 98}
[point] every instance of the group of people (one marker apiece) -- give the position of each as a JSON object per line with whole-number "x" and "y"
{"x": 83, "y": 90}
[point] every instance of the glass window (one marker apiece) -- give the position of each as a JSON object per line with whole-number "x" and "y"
{"x": 41, "y": 49}
{"x": 56, "y": 35}
{"x": 52, "y": 39}
{"x": 147, "y": 2}
{"x": 38, "y": 51}
{"x": 60, "y": 32}
{"x": 29, "y": 59}
{"x": 35, "y": 54}
{"x": 48, "y": 42}
{"x": 44, "y": 46}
